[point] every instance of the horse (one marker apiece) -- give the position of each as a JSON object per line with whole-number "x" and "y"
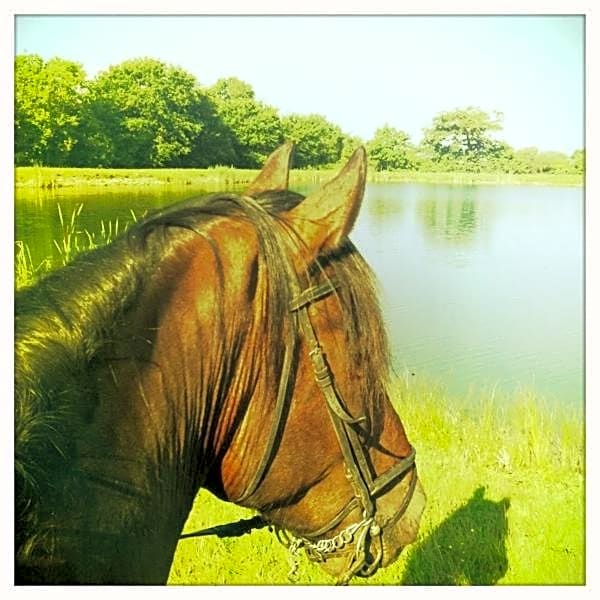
{"x": 232, "y": 342}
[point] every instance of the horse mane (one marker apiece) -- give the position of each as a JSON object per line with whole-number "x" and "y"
{"x": 63, "y": 322}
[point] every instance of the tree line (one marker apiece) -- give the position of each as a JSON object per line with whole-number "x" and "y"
{"x": 146, "y": 113}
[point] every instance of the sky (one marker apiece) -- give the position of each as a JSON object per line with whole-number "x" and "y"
{"x": 360, "y": 72}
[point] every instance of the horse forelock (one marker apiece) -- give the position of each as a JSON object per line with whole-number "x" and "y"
{"x": 366, "y": 338}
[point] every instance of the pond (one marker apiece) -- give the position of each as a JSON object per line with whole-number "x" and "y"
{"x": 481, "y": 286}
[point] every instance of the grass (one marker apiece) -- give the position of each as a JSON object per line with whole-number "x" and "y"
{"x": 457, "y": 178}
{"x": 504, "y": 478}
{"x": 75, "y": 179}
{"x": 505, "y": 485}
{"x": 26, "y": 272}
{"x": 54, "y": 178}
{"x": 74, "y": 240}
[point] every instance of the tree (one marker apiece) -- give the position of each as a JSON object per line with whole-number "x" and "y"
{"x": 391, "y": 149}
{"x": 349, "y": 144}
{"x": 145, "y": 113}
{"x": 232, "y": 88}
{"x": 318, "y": 142}
{"x": 460, "y": 138}
{"x": 499, "y": 157}
{"x": 48, "y": 103}
{"x": 525, "y": 160}
{"x": 578, "y": 161}
{"x": 531, "y": 160}
{"x": 254, "y": 127}
{"x": 553, "y": 162}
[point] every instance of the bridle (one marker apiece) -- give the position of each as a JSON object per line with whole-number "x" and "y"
{"x": 361, "y": 541}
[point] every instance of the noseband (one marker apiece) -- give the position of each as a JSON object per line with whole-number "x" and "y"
{"x": 361, "y": 541}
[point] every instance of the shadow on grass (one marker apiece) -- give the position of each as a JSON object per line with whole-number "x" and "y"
{"x": 468, "y": 548}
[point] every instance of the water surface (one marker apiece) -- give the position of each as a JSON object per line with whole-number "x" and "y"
{"x": 482, "y": 286}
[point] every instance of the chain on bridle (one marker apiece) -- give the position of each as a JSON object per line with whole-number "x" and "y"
{"x": 362, "y": 541}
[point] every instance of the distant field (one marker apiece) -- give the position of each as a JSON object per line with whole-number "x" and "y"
{"x": 66, "y": 179}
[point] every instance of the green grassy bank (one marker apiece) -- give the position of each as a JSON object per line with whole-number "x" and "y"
{"x": 66, "y": 179}
{"x": 505, "y": 486}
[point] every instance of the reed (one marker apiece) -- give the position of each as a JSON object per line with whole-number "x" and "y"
{"x": 26, "y": 273}
{"x": 74, "y": 240}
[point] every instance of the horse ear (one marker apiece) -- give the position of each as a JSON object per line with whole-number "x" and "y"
{"x": 327, "y": 216}
{"x": 275, "y": 172}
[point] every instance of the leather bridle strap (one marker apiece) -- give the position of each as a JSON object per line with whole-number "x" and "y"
{"x": 308, "y": 296}
{"x": 341, "y": 419}
{"x": 362, "y": 541}
{"x": 313, "y": 294}
{"x": 356, "y": 459}
{"x": 278, "y": 419}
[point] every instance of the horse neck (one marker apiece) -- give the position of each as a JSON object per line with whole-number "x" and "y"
{"x": 172, "y": 372}
{"x": 109, "y": 492}
{"x": 64, "y": 318}
{"x": 149, "y": 370}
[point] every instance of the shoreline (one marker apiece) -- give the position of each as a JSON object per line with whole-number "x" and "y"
{"x": 69, "y": 178}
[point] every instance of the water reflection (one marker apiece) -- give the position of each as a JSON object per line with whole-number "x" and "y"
{"x": 449, "y": 219}
{"x": 385, "y": 209}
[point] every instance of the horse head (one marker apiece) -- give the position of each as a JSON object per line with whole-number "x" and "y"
{"x": 342, "y": 476}
{"x": 235, "y": 343}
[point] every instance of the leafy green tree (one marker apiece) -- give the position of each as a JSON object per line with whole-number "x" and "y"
{"x": 253, "y": 128}
{"x": 553, "y": 162}
{"x": 349, "y": 144}
{"x": 95, "y": 131}
{"x": 390, "y": 149}
{"x": 499, "y": 158}
{"x": 318, "y": 142}
{"x": 48, "y": 103}
{"x": 232, "y": 88}
{"x": 525, "y": 160}
{"x": 531, "y": 160}
{"x": 145, "y": 113}
{"x": 215, "y": 144}
{"x": 460, "y": 139}
{"x": 578, "y": 161}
